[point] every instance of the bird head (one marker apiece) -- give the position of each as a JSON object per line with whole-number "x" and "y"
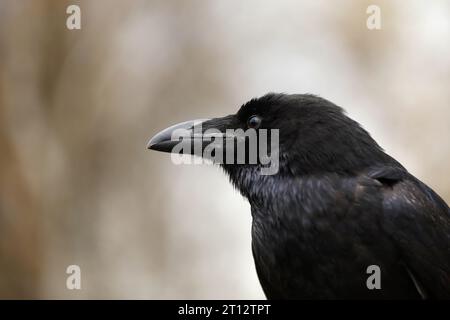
{"x": 276, "y": 135}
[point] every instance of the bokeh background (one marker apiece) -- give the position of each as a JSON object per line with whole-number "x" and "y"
{"x": 77, "y": 185}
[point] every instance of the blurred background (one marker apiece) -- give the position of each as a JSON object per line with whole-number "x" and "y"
{"x": 77, "y": 185}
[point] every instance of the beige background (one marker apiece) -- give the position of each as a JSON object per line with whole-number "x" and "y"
{"x": 77, "y": 185}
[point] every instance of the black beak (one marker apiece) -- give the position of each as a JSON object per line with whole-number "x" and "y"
{"x": 221, "y": 140}
{"x": 204, "y": 137}
{"x": 168, "y": 138}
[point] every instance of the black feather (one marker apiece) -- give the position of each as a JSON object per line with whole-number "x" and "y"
{"x": 339, "y": 204}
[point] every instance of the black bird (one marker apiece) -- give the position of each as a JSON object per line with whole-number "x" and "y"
{"x": 337, "y": 205}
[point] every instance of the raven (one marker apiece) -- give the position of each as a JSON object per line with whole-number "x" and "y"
{"x": 337, "y": 205}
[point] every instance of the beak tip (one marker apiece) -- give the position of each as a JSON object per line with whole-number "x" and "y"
{"x": 150, "y": 145}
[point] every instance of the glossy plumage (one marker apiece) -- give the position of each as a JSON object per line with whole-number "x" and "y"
{"x": 337, "y": 205}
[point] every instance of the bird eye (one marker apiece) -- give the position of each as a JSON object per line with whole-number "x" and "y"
{"x": 254, "y": 122}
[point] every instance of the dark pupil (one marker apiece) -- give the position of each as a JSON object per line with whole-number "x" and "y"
{"x": 253, "y": 122}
